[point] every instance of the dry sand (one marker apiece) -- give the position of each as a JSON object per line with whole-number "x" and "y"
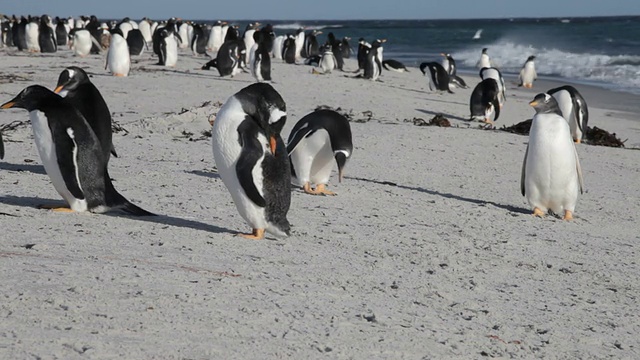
{"x": 429, "y": 251}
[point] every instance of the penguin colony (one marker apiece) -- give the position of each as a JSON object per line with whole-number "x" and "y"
{"x": 72, "y": 124}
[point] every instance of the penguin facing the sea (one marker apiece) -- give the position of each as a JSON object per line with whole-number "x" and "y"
{"x": 363, "y": 50}
{"x": 136, "y": 42}
{"x": 528, "y": 73}
{"x": 70, "y": 153}
{"x": 574, "y": 109}
{"x": 252, "y": 159}
{"x": 551, "y": 173}
{"x": 317, "y": 141}
{"x": 485, "y": 101}
{"x": 118, "y": 59}
{"x": 438, "y": 76}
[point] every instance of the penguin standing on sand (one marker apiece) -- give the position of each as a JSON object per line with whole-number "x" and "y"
{"x": 317, "y": 141}
{"x": 260, "y": 58}
{"x": 346, "y": 48}
{"x": 574, "y": 109}
{"x": 327, "y": 60}
{"x": 47, "y": 36}
{"x": 247, "y": 37}
{"x": 118, "y": 59}
{"x": 438, "y": 76}
{"x": 145, "y": 29}
{"x": 32, "y": 34}
{"x": 136, "y": 43}
{"x": 449, "y": 64}
{"x": 485, "y": 61}
{"x": 289, "y": 49}
{"x": 252, "y": 159}
{"x": 62, "y": 31}
{"x": 394, "y": 65}
{"x": 551, "y": 172}
{"x": 494, "y": 73}
{"x": 299, "y": 42}
{"x": 373, "y": 65}
{"x": 311, "y": 47}
{"x": 169, "y": 47}
{"x": 215, "y": 38}
{"x": 277, "y": 46}
{"x": 74, "y": 85}
{"x": 71, "y": 153}
{"x": 336, "y": 48}
{"x": 485, "y": 101}
{"x": 20, "y": 34}
{"x": 363, "y": 50}
{"x": 528, "y": 73}
{"x": 82, "y": 42}
{"x": 199, "y": 40}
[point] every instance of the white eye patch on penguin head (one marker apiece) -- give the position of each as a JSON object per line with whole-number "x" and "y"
{"x": 547, "y": 97}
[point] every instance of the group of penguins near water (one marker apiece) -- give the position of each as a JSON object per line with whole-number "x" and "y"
{"x": 72, "y": 130}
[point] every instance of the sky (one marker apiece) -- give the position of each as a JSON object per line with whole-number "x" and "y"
{"x": 321, "y": 9}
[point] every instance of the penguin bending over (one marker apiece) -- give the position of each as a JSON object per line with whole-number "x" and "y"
{"x": 528, "y": 73}
{"x": 551, "y": 173}
{"x": 449, "y": 64}
{"x": 74, "y": 85}
{"x": 315, "y": 142}
{"x": 438, "y": 76}
{"x": 574, "y": 109}
{"x": 394, "y": 65}
{"x": 485, "y": 101}
{"x": 252, "y": 159}
{"x": 495, "y": 74}
{"x": 71, "y": 154}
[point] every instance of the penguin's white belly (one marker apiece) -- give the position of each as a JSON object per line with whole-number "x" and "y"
{"x": 327, "y": 63}
{"x": 255, "y": 63}
{"x": 118, "y": 56}
{"x": 484, "y": 61}
{"x": 47, "y": 150}
{"x": 313, "y": 159}
{"x": 299, "y": 44}
{"x": 528, "y": 73}
{"x": 145, "y": 29}
{"x": 184, "y": 36}
{"x": 226, "y": 152}
{"x": 277, "y": 47}
{"x": 551, "y": 177}
{"x": 82, "y": 43}
{"x": 565, "y": 102}
{"x": 31, "y": 37}
{"x": 172, "y": 51}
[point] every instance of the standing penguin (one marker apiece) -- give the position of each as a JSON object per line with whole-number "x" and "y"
{"x": 74, "y": 85}
{"x": 438, "y": 76}
{"x": 299, "y": 44}
{"x": 136, "y": 43}
{"x": 145, "y": 29}
{"x": 169, "y": 47}
{"x": 574, "y": 109}
{"x": 551, "y": 172}
{"x": 260, "y": 58}
{"x": 32, "y": 35}
{"x": 215, "y": 38}
{"x": 82, "y": 42}
{"x": 485, "y": 61}
{"x": 71, "y": 153}
{"x": 485, "y": 101}
{"x": 199, "y": 40}
{"x": 289, "y": 49}
{"x": 311, "y": 47}
{"x": 449, "y": 64}
{"x": 118, "y": 59}
{"x": 277, "y": 47}
{"x": 47, "y": 36}
{"x": 373, "y": 65}
{"x": 346, "y": 48}
{"x": 363, "y": 49}
{"x": 327, "y": 60}
{"x": 247, "y": 37}
{"x": 252, "y": 158}
{"x": 20, "y": 34}
{"x": 336, "y": 48}
{"x": 62, "y": 31}
{"x": 494, "y": 73}
{"x": 528, "y": 73}
{"x": 315, "y": 142}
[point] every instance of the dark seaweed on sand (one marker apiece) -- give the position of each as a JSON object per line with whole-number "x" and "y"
{"x": 594, "y": 136}
{"x": 438, "y": 120}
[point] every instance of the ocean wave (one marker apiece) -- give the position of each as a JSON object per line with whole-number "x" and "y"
{"x": 296, "y": 26}
{"x": 620, "y": 72}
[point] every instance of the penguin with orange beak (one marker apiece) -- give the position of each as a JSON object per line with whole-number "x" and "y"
{"x": 252, "y": 159}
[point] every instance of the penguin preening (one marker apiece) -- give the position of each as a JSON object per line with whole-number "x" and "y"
{"x": 252, "y": 159}
{"x": 71, "y": 153}
{"x": 551, "y": 173}
{"x": 394, "y": 65}
{"x": 438, "y": 76}
{"x": 574, "y": 109}
{"x": 528, "y": 73}
{"x": 485, "y": 101}
{"x": 74, "y": 85}
{"x": 317, "y": 141}
{"x": 227, "y": 59}
{"x": 449, "y": 64}
{"x": 494, "y": 73}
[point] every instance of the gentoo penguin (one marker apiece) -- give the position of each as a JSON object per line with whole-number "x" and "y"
{"x": 62, "y": 31}
{"x": 327, "y": 60}
{"x": 494, "y": 73}
{"x": 252, "y": 158}
{"x": 336, "y": 48}
{"x": 215, "y": 38}
{"x": 82, "y": 42}
{"x": 438, "y": 76}
{"x": 277, "y": 47}
{"x": 260, "y": 59}
{"x": 145, "y": 29}
{"x": 363, "y": 49}
{"x": 6, "y": 32}
{"x": 485, "y": 61}
{"x": 373, "y": 65}
{"x": 136, "y": 43}
{"x": 74, "y": 85}
{"x": 184, "y": 30}
{"x": 574, "y": 109}
{"x": 247, "y": 37}
{"x": 551, "y": 173}
{"x": 346, "y": 48}
{"x": 232, "y": 39}
{"x": 485, "y": 101}
{"x": 227, "y": 60}
{"x": 314, "y": 60}
{"x": 199, "y": 40}
{"x": 289, "y": 49}
{"x": 20, "y": 34}
{"x": 71, "y": 153}
{"x": 125, "y": 26}
{"x": 449, "y": 64}
{"x": 32, "y": 34}
{"x": 118, "y": 59}
{"x": 169, "y": 47}
{"x": 299, "y": 41}
{"x": 315, "y": 142}
{"x": 528, "y": 73}
{"x": 47, "y": 36}
{"x": 394, "y": 65}
{"x": 311, "y": 47}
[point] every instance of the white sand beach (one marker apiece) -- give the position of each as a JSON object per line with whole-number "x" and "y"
{"x": 429, "y": 251}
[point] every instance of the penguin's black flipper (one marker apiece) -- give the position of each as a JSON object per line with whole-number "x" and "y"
{"x": 113, "y": 151}
{"x": 115, "y": 200}
{"x": 1, "y": 147}
{"x": 459, "y": 82}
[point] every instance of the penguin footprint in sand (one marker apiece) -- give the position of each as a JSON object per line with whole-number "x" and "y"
{"x": 71, "y": 153}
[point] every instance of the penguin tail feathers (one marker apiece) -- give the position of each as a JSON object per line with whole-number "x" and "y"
{"x": 135, "y": 210}
{"x": 115, "y": 200}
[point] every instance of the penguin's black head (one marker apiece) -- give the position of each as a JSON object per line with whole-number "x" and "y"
{"x": 116, "y": 30}
{"x": 423, "y": 66}
{"x": 544, "y": 103}
{"x": 530, "y": 58}
{"x": 266, "y": 107}
{"x": 70, "y": 78}
{"x": 31, "y": 98}
{"x": 484, "y": 51}
{"x": 341, "y": 157}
